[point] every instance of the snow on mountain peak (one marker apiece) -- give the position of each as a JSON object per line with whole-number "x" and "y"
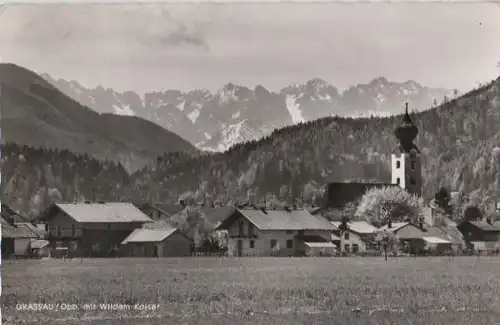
{"x": 227, "y": 94}
{"x": 318, "y": 83}
{"x": 294, "y": 109}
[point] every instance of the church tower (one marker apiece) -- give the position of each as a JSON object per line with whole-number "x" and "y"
{"x": 406, "y": 160}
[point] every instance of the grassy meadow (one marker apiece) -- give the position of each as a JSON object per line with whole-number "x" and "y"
{"x": 434, "y": 290}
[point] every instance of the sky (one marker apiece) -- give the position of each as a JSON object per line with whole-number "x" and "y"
{"x": 152, "y": 47}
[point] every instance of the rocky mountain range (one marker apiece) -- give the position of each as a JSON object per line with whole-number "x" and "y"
{"x": 233, "y": 114}
{"x": 459, "y": 141}
{"x": 37, "y": 114}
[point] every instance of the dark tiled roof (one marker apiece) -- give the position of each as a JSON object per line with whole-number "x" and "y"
{"x": 337, "y": 194}
{"x": 168, "y": 209}
{"x": 10, "y": 215}
{"x": 16, "y": 231}
{"x": 216, "y": 215}
{"x": 485, "y": 226}
{"x": 449, "y": 233}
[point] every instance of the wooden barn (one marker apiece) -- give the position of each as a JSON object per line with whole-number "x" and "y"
{"x": 166, "y": 242}
{"x": 92, "y": 229}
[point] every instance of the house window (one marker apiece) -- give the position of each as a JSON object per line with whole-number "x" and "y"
{"x": 413, "y": 165}
{"x": 355, "y": 248}
{"x": 252, "y": 244}
{"x": 109, "y": 226}
{"x": 346, "y": 236}
{"x": 412, "y": 181}
{"x": 241, "y": 226}
{"x": 273, "y": 243}
{"x": 398, "y": 181}
{"x": 289, "y": 232}
{"x": 398, "y": 164}
{"x": 346, "y": 248}
{"x": 289, "y": 243}
{"x": 250, "y": 230}
{"x": 59, "y": 231}
{"x": 73, "y": 230}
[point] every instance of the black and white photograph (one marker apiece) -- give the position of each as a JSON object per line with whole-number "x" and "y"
{"x": 233, "y": 163}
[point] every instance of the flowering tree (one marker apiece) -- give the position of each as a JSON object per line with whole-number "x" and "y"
{"x": 381, "y": 205}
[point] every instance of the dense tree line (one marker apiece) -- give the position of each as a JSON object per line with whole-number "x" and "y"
{"x": 459, "y": 141}
{"x": 32, "y": 178}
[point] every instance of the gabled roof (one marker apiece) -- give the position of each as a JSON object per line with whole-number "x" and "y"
{"x": 279, "y": 220}
{"x": 217, "y": 215}
{"x": 39, "y": 243}
{"x": 10, "y": 215}
{"x": 16, "y": 231}
{"x": 111, "y": 212}
{"x": 167, "y": 209}
{"x": 331, "y": 214}
{"x": 338, "y": 194}
{"x": 31, "y": 227}
{"x": 450, "y": 233}
{"x": 396, "y": 226}
{"x": 149, "y": 235}
{"x": 485, "y": 226}
{"x": 436, "y": 240}
{"x": 359, "y": 227}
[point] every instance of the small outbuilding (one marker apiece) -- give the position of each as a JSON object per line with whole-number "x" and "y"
{"x": 165, "y": 242}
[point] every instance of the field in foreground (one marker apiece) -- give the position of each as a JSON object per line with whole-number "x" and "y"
{"x": 211, "y": 291}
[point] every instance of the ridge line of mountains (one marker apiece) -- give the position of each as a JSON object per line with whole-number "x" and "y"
{"x": 56, "y": 149}
{"x": 234, "y": 114}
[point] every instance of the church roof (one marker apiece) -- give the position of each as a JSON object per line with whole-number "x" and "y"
{"x": 339, "y": 194}
{"x": 406, "y": 132}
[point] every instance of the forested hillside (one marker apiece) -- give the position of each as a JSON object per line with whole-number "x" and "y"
{"x": 34, "y": 177}
{"x": 459, "y": 140}
{"x": 35, "y": 113}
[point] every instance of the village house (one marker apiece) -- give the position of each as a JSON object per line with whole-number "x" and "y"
{"x": 11, "y": 216}
{"x": 442, "y": 226}
{"x": 358, "y": 238}
{"x": 483, "y": 235}
{"x": 164, "y": 242}
{"x": 422, "y": 238}
{"x": 92, "y": 229}
{"x": 261, "y": 232}
{"x": 16, "y": 239}
{"x": 410, "y": 236}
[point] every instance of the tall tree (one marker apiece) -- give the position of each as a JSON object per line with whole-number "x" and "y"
{"x": 442, "y": 200}
{"x": 388, "y": 240}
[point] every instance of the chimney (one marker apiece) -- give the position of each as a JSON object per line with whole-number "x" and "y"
{"x": 389, "y": 225}
{"x": 421, "y": 225}
{"x": 488, "y": 220}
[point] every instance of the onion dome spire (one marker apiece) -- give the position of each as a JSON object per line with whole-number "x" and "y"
{"x": 406, "y": 132}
